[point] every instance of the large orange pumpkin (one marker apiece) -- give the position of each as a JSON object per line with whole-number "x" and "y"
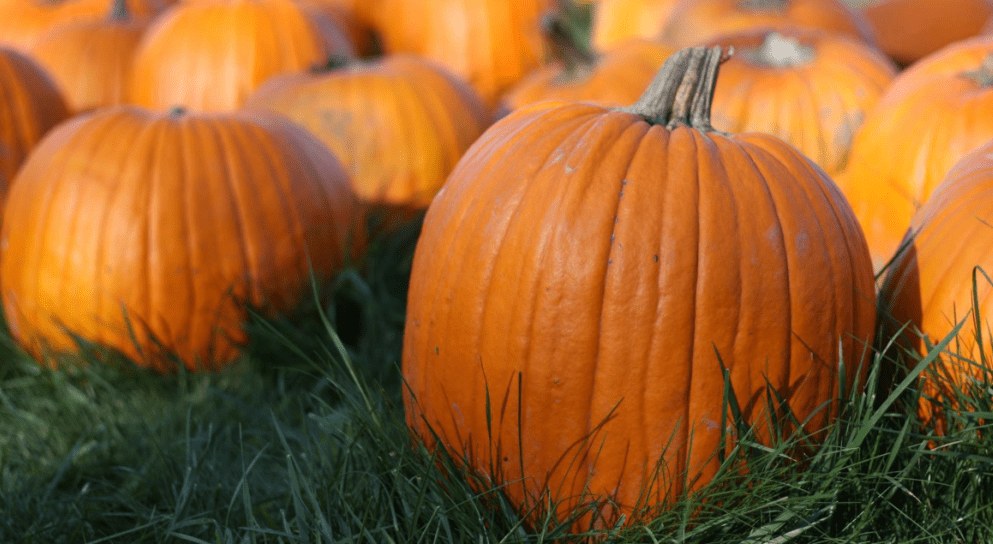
{"x": 810, "y": 88}
{"x": 930, "y": 117}
{"x": 210, "y": 55}
{"x": 399, "y": 124}
{"x": 90, "y": 60}
{"x": 150, "y": 232}
{"x": 583, "y": 269}
{"x": 490, "y": 43}
{"x": 30, "y": 105}
{"x": 693, "y": 22}
{"x": 908, "y": 30}
{"x": 930, "y": 286}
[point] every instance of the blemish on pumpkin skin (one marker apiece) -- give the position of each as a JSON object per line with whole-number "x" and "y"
{"x": 436, "y": 350}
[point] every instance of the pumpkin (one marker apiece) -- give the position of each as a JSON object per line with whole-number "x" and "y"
{"x": 489, "y": 43}
{"x": 615, "y": 78}
{"x": 931, "y": 115}
{"x": 694, "y": 22}
{"x": 210, "y": 55}
{"x": 616, "y": 21}
{"x": 151, "y": 232}
{"x": 90, "y": 60}
{"x": 399, "y": 124}
{"x": 908, "y": 30}
{"x": 930, "y": 285}
{"x": 355, "y": 19}
{"x": 30, "y": 105}
{"x": 584, "y": 271}
{"x": 23, "y": 22}
{"x": 810, "y": 88}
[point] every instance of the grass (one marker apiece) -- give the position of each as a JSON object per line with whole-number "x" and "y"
{"x": 303, "y": 440}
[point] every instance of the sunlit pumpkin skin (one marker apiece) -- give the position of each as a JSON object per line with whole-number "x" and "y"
{"x": 693, "y": 22}
{"x": 908, "y": 30}
{"x": 807, "y": 87}
{"x": 167, "y": 224}
{"x": 597, "y": 263}
{"x": 489, "y": 43}
{"x": 91, "y": 60}
{"x": 930, "y": 116}
{"x": 210, "y": 55}
{"x": 398, "y": 124}
{"x": 930, "y": 284}
{"x": 30, "y": 105}
{"x": 614, "y": 78}
{"x": 24, "y": 22}
{"x": 616, "y": 21}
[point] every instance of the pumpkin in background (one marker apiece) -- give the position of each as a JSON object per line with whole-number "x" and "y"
{"x": 489, "y": 43}
{"x": 23, "y": 22}
{"x": 148, "y": 232}
{"x": 807, "y": 87}
{"x": 930, "y": 284}
{"x": 90, "y": 60}
{"x": 581, "y": 270}
{"x": 908, "y": 30}
{"x": 616, "y": 21}
{"x": 356, "y": 19}
{"x": 399, "y": 124}
{"x": 210, "y": 55}
{"x": 30, "y": 105}
{"x": 615, "y": 78}
{"x": 693, "y": 22}
{"x": 932, "y": 114}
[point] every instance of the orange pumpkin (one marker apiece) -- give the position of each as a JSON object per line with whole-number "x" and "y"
{"x": 583, "y": 269}
{"x": 700, "y": 21}
{"x": 616, "y": 21}
{"x": 908, "y": 30}
{"x": 930, "y": 285}
{"x": 210, "y": 55}
{"x": 810, "y": 88}
{"x": 398, "y": 124}
{"x": 355, "y": 19}
{"x": 30, "y": 105}
{"x": 23, "y": 22}
{"x": 490, "y": 43}
{"x": 150, "y": 232}
{"x": 615, "y": 78}
{"x": 90, "y": 60}
{"x": 930, "y": 117}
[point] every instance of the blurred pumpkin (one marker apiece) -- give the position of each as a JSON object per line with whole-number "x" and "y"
{"x": 616, "y": 21}
{"x": 151, "y": 232}
{"x": 583, "y": 273}
{"x": 908, "y": 30}
{"x": 23, "y": 22}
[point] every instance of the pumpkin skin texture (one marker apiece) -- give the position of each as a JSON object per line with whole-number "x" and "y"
{"x": 807, "y": 87}
{"x": 616, "y": 21}
{"x": 932, "y": 115}
{"x": 398, "y": 124}
{"x": 30, "y": 105}
{"x": 209, "y": 56}
{"x": 908, "y": 30}
{"x": 595, "y": 262}
{"x": 930, "y": 284}
{"x": 91, "y": 60}
{"x": 693, "y": 22}
{"x": 23, "y": 22}
{"x": 489, "y": 43}
{"x": 195, "y": 216}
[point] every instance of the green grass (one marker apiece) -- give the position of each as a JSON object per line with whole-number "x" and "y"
{"x": 303, "y": 440}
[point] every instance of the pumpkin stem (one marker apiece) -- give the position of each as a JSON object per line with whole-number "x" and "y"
{"x": 780, "y": 51}
{"x": 177, "y": 111}
{"x": 683, "y": 90}
{"x": 333, "y": 62}
{"x": 763, "y": 5}
{"x": 575, "y": 54}
{"x": 983, "y": 76}
{"x": 119, "y": 11}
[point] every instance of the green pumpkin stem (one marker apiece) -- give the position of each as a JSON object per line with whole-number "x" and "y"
{"x": 119, "y": 11}
{"x": 333, "y": 62}
{"x": 683, "y": 90}
{"x": 983, "y": 76}
{"x": 566, "y": 44}
{"x": 176, "y": 112}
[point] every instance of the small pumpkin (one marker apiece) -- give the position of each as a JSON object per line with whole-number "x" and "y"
{"x": 583, "y": 269}
{"x": 693, "y": 22}
{"x": 91, "y": 60}
{"x": 151, "y": 232}
{"x": 930, "y": 285}
{"x": 931, "y": 115}
{"x": 30, "y": 105}
{"x": 908, "y": 30}
{"x": 210, "y": 55}
{"x": 810, "y": 88}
